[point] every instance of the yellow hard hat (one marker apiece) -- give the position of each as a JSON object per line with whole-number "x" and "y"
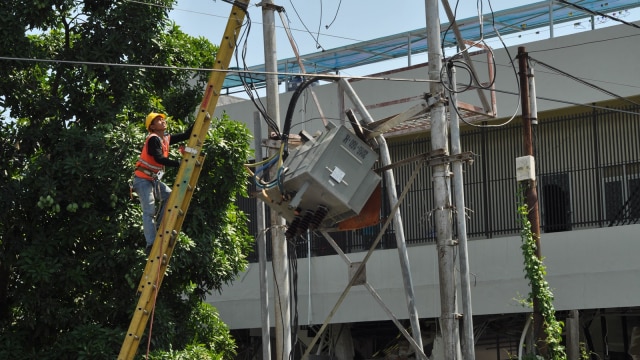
{"x": 150, "y": 117}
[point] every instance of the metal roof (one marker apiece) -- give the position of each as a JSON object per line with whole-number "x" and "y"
{"x": 522, "y": 18}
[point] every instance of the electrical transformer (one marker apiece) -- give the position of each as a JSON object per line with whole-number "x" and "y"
{"x": 326, "y": 180}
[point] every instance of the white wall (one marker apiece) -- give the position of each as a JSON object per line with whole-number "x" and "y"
{"x": 594, "y": 268}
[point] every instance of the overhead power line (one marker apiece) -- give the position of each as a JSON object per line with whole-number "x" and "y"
{"x": 591, "y": 106}
{"x": 287, "y": 74}
{"x": 584, "y": 43}
{"x": 581, "y": 81}
{"x": 259, "y": 23}
{"x": 592, "y": 12}
{"x": 163, "y": 67}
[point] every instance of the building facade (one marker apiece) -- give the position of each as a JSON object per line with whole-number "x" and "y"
{"x": 587, "y": 151}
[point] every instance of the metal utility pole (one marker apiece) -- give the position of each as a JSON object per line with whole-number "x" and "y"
{"x": 441, "y": 186}
{"x": 262, "y": 252}
{"x": 530, "y": 193}
{"x": 468, "y": 349}
{"x": 282, "y": 306}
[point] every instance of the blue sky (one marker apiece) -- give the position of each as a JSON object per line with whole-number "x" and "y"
{"x": 336, "y": 23}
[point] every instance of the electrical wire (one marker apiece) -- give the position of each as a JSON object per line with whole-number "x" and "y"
{"x": 481, "y": 27}
{"x": 247, "y": 80}
{"x": 467, "y": 67}
{"x": 293, "y": 266}
{"x": 290, "y": 111}
{"x": 225, "y": 17}
{"x": 335, "y": 16}
{"x": 581, "y": 81}
{"x": 258, "y": 163}
{"x": 473, "y": 79}
{"x": 308, "y": 120}
{"x": 551, "y": 73}
{"x": 584, "y": 43}
{"x": 250, "y": 73}
{"x": 496, "y": 30}
{"x": 592, "y": 12}
{"x": 301, "y": 66}
{"x": 319, "y": 25}
{"x": 277, "y": 161}
{"x": 591, "y": 106}
{"x": 479, "y": 6}
{"x": 461, "y": 65}
{"x": 246, "y": 77}
{"x": 318, "y": 46}
{"x": 451, "y": 23}
{"x": 504, "y": 46}
{"x": 334, "y": 77}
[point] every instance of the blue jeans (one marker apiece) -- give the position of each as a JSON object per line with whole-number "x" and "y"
{"x": 148, "y": 192}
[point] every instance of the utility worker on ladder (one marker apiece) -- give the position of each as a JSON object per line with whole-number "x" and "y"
{"x": 149, "y": 170}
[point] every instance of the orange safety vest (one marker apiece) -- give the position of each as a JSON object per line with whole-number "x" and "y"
{"x": 146, "y": 166}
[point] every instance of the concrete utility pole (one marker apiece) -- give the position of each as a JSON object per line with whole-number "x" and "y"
{"x": 531, "y": 193}
{"x": 441, "y": 186}
{"x": 280, "y": 262}
{"x": 262, "y": 252}
{"x": 468, "y": 350}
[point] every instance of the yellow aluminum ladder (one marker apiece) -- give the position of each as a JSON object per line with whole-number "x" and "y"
{"x": 183, "y": 187}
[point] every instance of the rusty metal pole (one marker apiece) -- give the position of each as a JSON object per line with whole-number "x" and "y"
{"x": 531, "y": 192}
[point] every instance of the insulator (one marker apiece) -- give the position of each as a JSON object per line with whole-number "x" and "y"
{"x": 291, "y": 230}
{"x": 304, "y": 223}
{"x": 319, "y": 215}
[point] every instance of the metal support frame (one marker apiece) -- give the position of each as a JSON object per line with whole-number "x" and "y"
{"x": 361, "y": 268}
{"x": 385, "y": 158}
{"x": 357, "y": 280}
{"x": 357, "y": 275}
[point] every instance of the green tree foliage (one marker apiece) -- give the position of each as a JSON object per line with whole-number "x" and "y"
{"x": 71, "y": 129}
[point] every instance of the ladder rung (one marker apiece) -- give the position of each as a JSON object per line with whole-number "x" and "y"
{"x": 172, "y": 238}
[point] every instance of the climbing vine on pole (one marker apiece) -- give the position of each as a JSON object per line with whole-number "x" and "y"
{"x": 535, "y": 272}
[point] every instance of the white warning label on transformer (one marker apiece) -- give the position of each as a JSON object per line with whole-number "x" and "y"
{"x": 337, "y": 174}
